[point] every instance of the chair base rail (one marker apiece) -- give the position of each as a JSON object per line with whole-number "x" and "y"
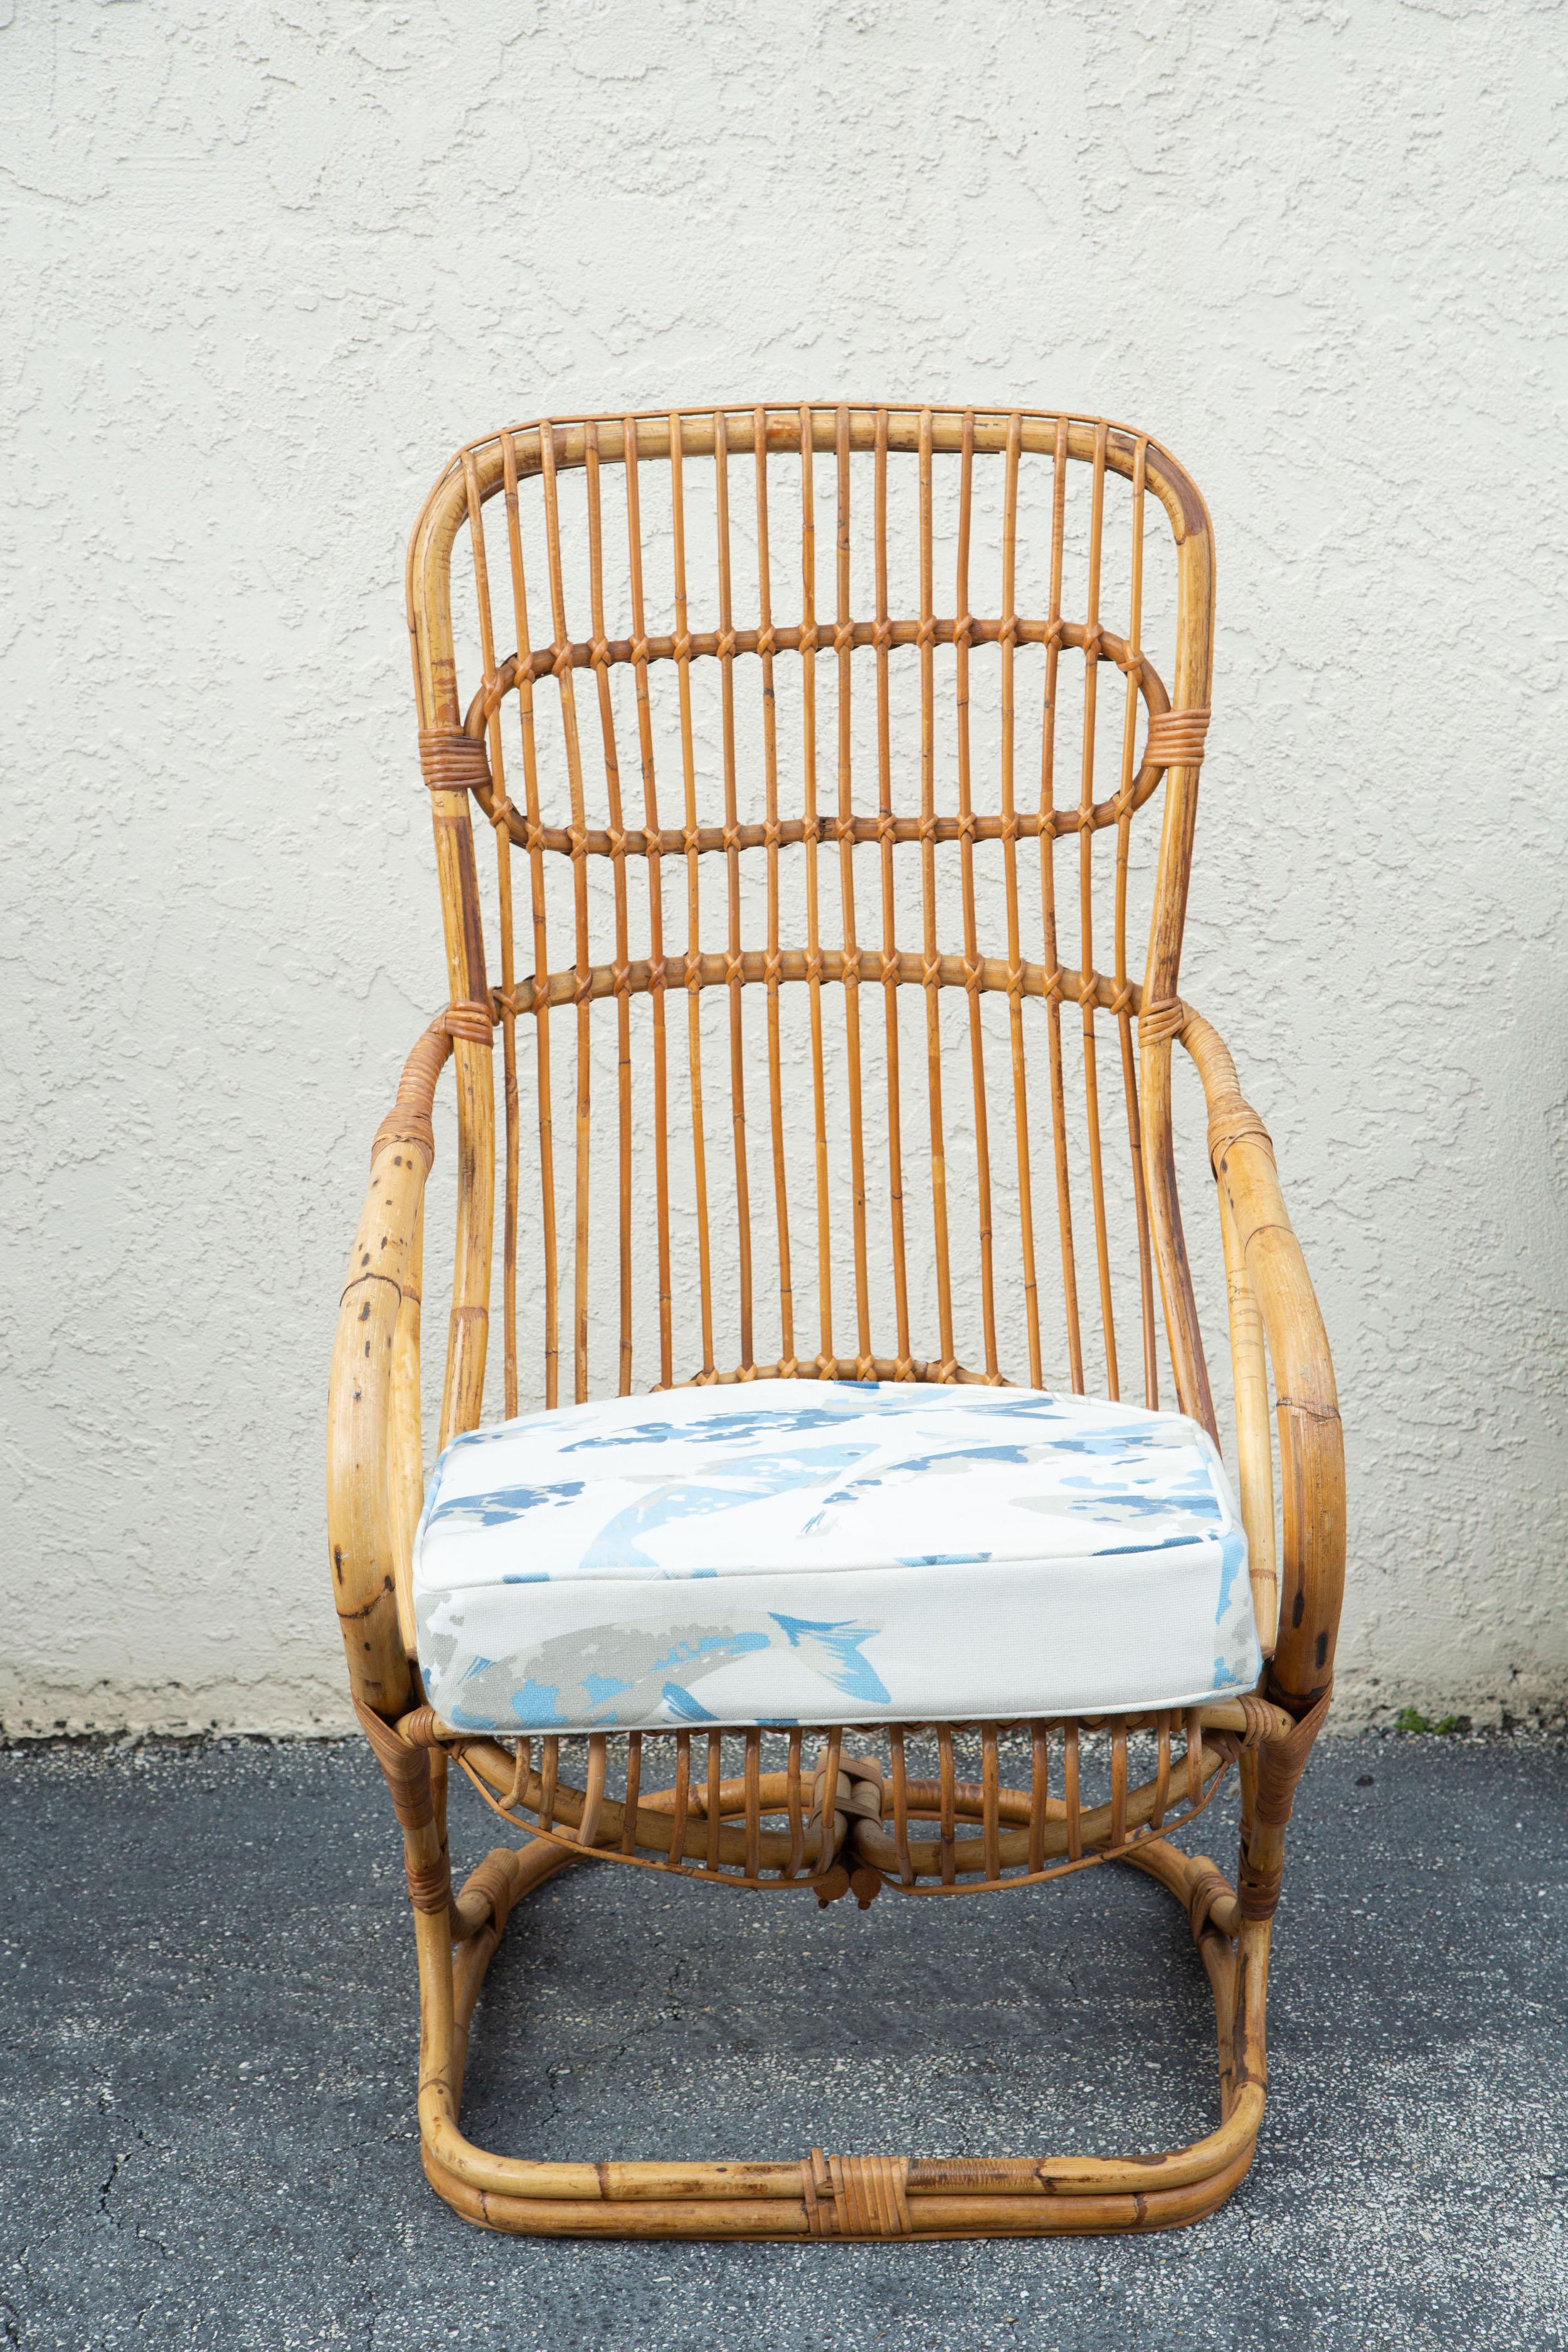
{"x": 862, "y": 2198}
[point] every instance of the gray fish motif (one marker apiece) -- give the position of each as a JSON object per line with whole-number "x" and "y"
{"x": 610, "y": 1675}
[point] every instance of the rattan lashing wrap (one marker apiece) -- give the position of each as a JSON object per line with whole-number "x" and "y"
{"x": 409, "y": 1121}
{"x": 855, "y": 2196}
{"x": 451, "y": 761}
{"x": 407, "y": 1771}
{"x": 1176, "y": 738}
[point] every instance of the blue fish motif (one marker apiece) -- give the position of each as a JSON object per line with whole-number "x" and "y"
{"x": 1232, "y": 1560}
{"x": 946, "y": 1463}
{"x": 754, "y": 1479}
{"x": 720, "y": 1428}
{"x": 1140, "y": 1506}
{"x": 498, "y": 1504}
{"x": 1157, "y": 1543}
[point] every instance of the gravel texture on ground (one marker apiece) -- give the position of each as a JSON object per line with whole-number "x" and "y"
{"x": 207, "y": 2069}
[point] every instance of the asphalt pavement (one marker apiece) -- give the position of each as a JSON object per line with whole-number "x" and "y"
{"x": 207, "y": 2070}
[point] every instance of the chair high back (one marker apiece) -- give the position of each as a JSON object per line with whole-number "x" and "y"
{"x": 841, "y": 765}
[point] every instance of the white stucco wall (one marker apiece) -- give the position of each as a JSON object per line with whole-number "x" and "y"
{"x": 266, "y": 265}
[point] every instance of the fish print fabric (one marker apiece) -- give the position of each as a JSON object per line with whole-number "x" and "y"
{"x": 814, "y": 1552}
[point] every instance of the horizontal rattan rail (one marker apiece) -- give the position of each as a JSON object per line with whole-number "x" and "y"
{"x": 830, "y": 759}
{"x": 864, "y": 1842}
{"x": 830, "y": 966}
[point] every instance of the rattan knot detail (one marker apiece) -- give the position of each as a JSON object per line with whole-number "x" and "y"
{"x": 1208, "y": 1887}
{"x": 472, "y": 1020}
{"x": 1157, "y": 1023}
{"x": 1260, "y": 1719}
{"x": 855, "y": 2196}
{"x": 406, "y": 1768}
{"x": 1176, "y": 738}
{"x": 409, "y": 1121}
{"x": 1258, "y": 1889}
{"x": 451, "y": 761}
{"x": 492, "y": 1886}
{"x": 1234, "y": 1127}
{"x": 429, "y": 1883}
{"x": 1281, "y": 1763}
{"x": 419, "y": 1728}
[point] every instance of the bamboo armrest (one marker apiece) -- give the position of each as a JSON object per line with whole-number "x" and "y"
{"x": 377, "y": 1326}
{"x": 1268, "y": 1278}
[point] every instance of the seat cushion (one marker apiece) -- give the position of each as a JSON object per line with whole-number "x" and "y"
{"x": 796, "y": 1551}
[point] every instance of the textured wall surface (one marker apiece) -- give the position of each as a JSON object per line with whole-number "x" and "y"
{"x": 266, "y": 265}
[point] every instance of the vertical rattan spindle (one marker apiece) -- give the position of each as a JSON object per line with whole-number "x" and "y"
{"x": 1131, "y": 702}
{"x": 1093, "y": 647}
{"x": 561, "y": 656}
{"x": 964, "y": 625}
{"x": 501, "y": 809}
{"x": 677, "y": 1856}
{"x": 732, "y": 887}
{"x": 770, "y": 964}
{"x": 948, "y": 1815}
{"x": 655, "y": 902}
{"x": 622, "y": 974}
{"x": 882, "y": 641}
{"x": 1008, "y": 646}
{"x": 693, "y": 901}
{"x": 843, "y": 635}
{"x": 825, "y": 1359}
{"x": 1053, "y": 982}
{"x": 932, "y": 963}
{"x": 542, "y": 993}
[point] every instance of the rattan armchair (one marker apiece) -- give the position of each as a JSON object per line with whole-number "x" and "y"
{"x": 801, "y": 733}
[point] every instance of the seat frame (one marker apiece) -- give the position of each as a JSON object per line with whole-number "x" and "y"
{"x": 842, "y": 1822}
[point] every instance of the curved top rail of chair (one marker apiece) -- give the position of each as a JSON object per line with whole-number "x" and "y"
{"x": 1038, "y": 430}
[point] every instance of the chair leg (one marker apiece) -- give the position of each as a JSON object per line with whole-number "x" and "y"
{"x": 856, "y": 2198}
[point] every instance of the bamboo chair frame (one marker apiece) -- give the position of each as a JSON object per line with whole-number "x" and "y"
{"x": 780, "y": 1818}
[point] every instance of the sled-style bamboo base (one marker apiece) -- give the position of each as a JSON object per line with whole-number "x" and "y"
{"x": 858, "y": 2197}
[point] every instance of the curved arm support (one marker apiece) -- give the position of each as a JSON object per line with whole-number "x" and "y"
{"x": 362, "y": 1445}
{"x": 1262, "y": 1245}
